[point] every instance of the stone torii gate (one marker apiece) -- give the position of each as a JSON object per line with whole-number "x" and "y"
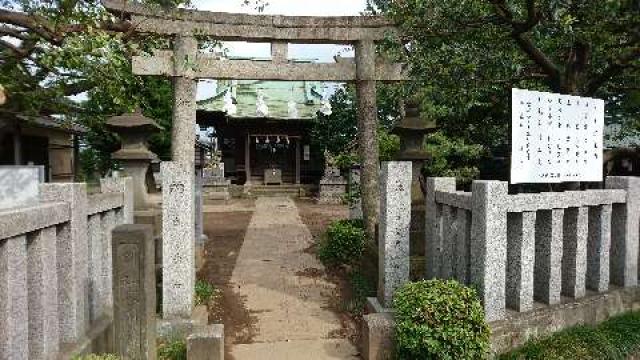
{"x": 185, "y": 64}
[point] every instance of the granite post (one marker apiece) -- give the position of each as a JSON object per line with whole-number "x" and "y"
{"x": 548, "y": 258}
{"x": 206, "y": 343}
{"x": 134, "y": 292}
{"x": 625, "y": 232}
{"x": 448, "y": 254}
{"x": 108, "y": 224}
{"x": 489, "y": 245}
{"x": 178, "y": 241}
{"x": 201, "y": 238}
{"x": 367, "y": 133}
{"x": 598, "y": 245}
{"x": 44, "y": 330}
{"x": 520, "y": 260}
{"x": 433, "y": 224}
{"x": 463, "y": 243}
{"x": 14, "y": 332}
{"x": 395, "y": 221}
{"x": 574, "y": 255}
{"x": 72, "y": 256}
{"x": 96, "y": 256}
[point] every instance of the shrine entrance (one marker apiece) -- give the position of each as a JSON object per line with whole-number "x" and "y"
{"x": 184, "y": 63}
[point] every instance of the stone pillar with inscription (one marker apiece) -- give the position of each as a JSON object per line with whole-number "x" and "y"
{"x": 134, "y": 293}
{"x": 395, "y": 221}
{"x": 178, "y": 189}
{"x": 178, "y": 241}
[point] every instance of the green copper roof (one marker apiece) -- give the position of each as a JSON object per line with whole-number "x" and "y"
{"x": 277, "y": 94}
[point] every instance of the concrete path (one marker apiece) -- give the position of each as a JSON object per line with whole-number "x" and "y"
{"x": 274, "y": 275}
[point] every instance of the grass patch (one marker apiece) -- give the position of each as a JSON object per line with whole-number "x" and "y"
{"x": 204, "y": 292}
{"x": 173, "y": 349}
{"x": 616, "y": 338}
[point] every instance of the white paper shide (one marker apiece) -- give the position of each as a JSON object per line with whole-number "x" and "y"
{"x": 556, "y": 138}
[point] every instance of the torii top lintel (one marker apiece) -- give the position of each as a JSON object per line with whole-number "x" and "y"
{"x": 258, "y": 28}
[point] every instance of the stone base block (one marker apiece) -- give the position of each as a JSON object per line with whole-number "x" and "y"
{"x": 377, "y": 336}
{"x": 216, "y": 191}
{"x": 183, "y": 327}
{"x": 206, "y": 343}
{"x": 518, "y": 328}
{"x": 332, "y": 190}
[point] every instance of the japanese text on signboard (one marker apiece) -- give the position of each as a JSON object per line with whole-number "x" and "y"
{"x": 556, "y": 138}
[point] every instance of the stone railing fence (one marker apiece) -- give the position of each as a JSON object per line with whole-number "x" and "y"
{"x": 517, "y": 249}
{"x": 56, "y": 269}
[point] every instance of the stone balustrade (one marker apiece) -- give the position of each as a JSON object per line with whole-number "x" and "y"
{"x": 517, "y": 249}
{"x": 56, "y": 269}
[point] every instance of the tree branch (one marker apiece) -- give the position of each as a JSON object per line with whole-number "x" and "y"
{"x": 12, "y": 32}
{"x": 35, "y": 23}
{"x": 518, "y": 33}
{"x": 13, "y": 48}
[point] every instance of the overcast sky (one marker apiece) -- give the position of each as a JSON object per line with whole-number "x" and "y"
{"x": 319, "y": 52}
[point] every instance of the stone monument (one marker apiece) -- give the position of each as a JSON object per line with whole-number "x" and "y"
{"x": 215, "y": 186}
{"x": 134, "y": 292}
{"x": 333, "y": 187}
{"x": 134, "y": 156}
{"x": 412, "y": 129}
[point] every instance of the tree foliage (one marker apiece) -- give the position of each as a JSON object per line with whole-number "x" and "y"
{"x": 53, "y": 50}
{"x": 466, "y": 55}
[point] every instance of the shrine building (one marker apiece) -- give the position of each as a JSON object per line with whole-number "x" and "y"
{"x": 262, "y": 129}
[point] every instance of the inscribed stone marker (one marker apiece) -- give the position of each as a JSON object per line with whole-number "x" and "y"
{"x": 178, "y": 240}
{"x": 134, "y": 291}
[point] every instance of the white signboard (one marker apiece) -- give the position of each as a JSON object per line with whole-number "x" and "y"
{"x": 556, "y": 138}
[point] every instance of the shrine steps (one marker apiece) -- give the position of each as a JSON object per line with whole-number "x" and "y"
{"x": 289, "y": 190}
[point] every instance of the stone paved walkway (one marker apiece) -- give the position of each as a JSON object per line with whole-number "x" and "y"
{"x": 272, "y": 276}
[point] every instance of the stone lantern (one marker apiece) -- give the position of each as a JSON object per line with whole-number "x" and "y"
{"x": 134, "y": 155}
{"x": 412, "y": 130}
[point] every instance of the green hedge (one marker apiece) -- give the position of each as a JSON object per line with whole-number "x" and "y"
{"x": 439, "y": 319}
{"x": 614, "y": 339}
{"x": 344, "y": 243}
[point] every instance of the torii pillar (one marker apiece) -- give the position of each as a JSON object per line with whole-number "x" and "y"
{"x": 367, "y": 133}
{"x": 178, "y": 189}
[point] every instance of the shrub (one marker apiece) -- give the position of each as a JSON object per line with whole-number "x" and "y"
{"x": 438, "y": 319}
{"x": 344, "y": 243}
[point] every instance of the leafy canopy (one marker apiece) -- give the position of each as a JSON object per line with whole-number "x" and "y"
{"x": 466, "y": 55}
